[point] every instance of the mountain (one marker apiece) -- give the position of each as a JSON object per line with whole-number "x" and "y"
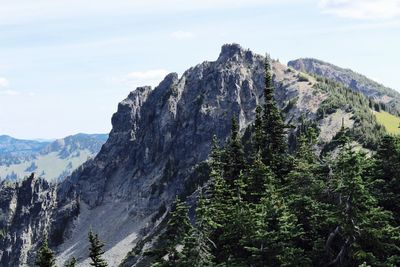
{"x": 14, "y": 150}
{"x": 351, "y": 79}
{"x": 51, "y": 160}
{"x": 158, "y": 148}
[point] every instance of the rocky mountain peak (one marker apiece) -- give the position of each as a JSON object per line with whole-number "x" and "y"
{"x": 159, "y": 139}
{"x": 234, "y": 52}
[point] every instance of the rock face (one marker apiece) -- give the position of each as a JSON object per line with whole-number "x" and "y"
{"x": 351, "y": 79}
{"x": 25, "y": 215}
{"x": 159, "y": 136}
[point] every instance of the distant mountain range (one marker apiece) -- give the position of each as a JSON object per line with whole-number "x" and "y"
{"x": 52, "y": 160}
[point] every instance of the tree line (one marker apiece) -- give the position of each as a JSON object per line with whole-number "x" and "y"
{"x": 45, "y": 256}
{"x": 264, "y": 206}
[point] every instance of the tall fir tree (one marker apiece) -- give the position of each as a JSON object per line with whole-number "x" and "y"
{"x": 96, "y": 250}
{"x": 233, "y": 160}
{"x": 197, "y": 250}
{"x": 271, "y": 236}
{"x": 45, "y": 256}
{"x": 257, "y": 177}
{"x": 274, "y": 144}
{"x": 258, "y": 134}
{"x": 304, "y": 194}
{"x": 178, "y": 227}
{"x": 386, "y": 174}
{"x": 365, "y": 232}
{"x": 71, "y": 263}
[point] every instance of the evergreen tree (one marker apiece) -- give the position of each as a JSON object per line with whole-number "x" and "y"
{"x": 178, "y": 223}
{"x": 386, "y": 174}
{"x": 234, "y": 160}
{"x": 70, "y": 263}
{"x": 304, "y": 194}
{"x": 364, "y": 232}
{"x": 197, "y": 250}
{"x": 96, "y": 250}
{"x": 45, "y": 256}
{"x": 258, "y": 176}
{"x": 258, "y": 132}
{"x": 178, "y": 227}
{"x": 275, "y": 144}
{"x": 271, "y": 236}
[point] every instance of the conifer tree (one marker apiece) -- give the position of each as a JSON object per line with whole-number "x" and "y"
{"x": 386, "y": 174}
{"x": 96, "y": 250}
{"x": 45, "y": 256}
{"x": 197, "y": 250}
{"x": 70, "y": 263}
{"x": 178, "y": 227}
{"x": 234, "y": 160}
{"x": 275, "y": 144}
{"x": 258, "y": 132}
{"x": 304, "y": 194}
{"x": 365, "y": 232}
{"x": 258, "y": 176}
{"x": 178, "y": 223}
{"x": 272, "y": 235}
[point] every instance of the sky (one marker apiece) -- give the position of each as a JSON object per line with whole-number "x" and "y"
{"x": 65, "y": 64}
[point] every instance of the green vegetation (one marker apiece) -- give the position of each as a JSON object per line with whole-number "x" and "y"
{"x": 96, "y": 250}
{"x": 266, "y": 207}
{"x": 360, "y": 82}
{"x": 45, "y": 256}
{"x": 366, "y": 130}
{"x": 302, "y": 77}
{"x": 389, "y": 121}
{"x": 70, "y": 263}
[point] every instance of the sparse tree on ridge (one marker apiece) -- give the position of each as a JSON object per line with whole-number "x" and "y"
{"x": 45, "y": 256}
{"x": 96, "y": 250}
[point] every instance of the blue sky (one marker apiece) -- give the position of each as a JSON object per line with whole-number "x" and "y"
{"x": 65, "y": 64}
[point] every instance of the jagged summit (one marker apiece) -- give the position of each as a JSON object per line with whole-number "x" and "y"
{"x": 159, "y": 139}
{"x": 235, "y": 52}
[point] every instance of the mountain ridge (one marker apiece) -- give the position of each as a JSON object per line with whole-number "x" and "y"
{"x": 155, "y": 150}
{"x": 351, "y": 79}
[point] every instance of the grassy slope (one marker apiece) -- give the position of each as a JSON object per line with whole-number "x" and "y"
{"x": 389, "y": 121}
{"x": 52, "y": 165}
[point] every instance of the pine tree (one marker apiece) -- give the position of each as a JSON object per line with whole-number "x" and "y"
{"x": 178, "y": 227}
{"x": 70, "y": 263}
{"x": 178, "y": 223}
{"x": 96, "y": 250}
{"x": 304, "y": 194}
{"x": 386, "y": 174}
{"x": 275, "y": 144}
{"x": 365, "y": 232}
{"x": 258, "y": 176}
{"x": 271, "y": 237}
{"x": 45, "y": 256}
{"x": 197, "y": 250}
{"x": 234, "y": 160}
{"x": 258, "y": 132}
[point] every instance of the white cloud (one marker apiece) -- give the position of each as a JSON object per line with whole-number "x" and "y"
{"x": 362, "y": 9}
{"x": 181, "y": 35}
{"x": 140, "y": 78}
{"x": 9, "y": 92}
{"x": 3, "y": 82}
